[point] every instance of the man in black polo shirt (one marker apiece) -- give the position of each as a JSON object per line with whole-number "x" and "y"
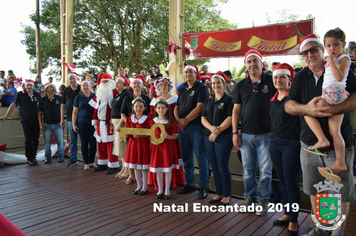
{"x": 28, "y": 101}
{"x": 187, "y": 112}
{"x": 49, "y": 117}
{"x": 251, "y": 103}
{"x": 303, "y": 100}
{"x": 69, "y": 93}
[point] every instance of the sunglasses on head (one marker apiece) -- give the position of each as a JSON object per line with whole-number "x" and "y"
{"x": 312, "y": 50}
{"x": 255, "y": 87}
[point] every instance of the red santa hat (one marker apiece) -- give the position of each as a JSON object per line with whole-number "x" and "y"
{"x": 85, "y": 81}
{"x": 307, "y": 39}
{"x": 253, "y": 52}
{"x": 123, "y": 80}
{"x": 194, "y": 68}
{"x": 73, "y": 74}
{"x": 222, "y": 76}
{"x": 48, "y": 84}
{"x": 28, "y": 81}
{"x": 139, "y": 78}
{"x": 104, "y": 76}
{"x": 284, "y": 69}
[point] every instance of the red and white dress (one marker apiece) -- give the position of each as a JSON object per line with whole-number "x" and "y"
{"x": 137, "y": 151}
{"x": 166, "y": 157}
{"x": 171, "y": 103}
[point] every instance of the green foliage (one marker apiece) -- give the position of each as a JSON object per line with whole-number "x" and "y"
{"x": 119, "y": 33}
{"x": 240, "y": 75}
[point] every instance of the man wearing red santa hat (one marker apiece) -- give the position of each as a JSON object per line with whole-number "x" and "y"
{"x": 104, "y": 130}
{"x": 28, "y": 101}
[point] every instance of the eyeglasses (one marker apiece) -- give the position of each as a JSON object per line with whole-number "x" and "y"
{"x": 255, "y": 87}
{"x": 312, "y": 50}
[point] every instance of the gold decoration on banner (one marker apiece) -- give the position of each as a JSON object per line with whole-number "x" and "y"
{"x": 271, "y": 46}
{"x": 220, "y": 46}
{"x": 142, "y": 131}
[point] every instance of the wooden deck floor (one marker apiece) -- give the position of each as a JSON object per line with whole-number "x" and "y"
{"x": 57, "y": 200}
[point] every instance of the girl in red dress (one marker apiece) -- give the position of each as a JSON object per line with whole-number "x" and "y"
{"x": 165, "y": 156}
{"x": 137, "y": 151}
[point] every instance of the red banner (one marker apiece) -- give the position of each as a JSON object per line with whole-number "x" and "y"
{"x": 274, "y": 39}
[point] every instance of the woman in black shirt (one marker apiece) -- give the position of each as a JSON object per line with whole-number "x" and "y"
{"x": 285, "y": 146}
{"x": 217, "y": 118}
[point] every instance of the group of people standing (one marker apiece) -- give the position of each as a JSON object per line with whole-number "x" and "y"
{"x": 272, "y": 119}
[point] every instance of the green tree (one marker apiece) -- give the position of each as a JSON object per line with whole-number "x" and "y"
{"x": 113, "y": 33}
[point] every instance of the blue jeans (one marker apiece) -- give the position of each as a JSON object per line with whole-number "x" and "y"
{"x": 285, "y": 155}
{"x": 192, "y": 139}
{"x": 255, "y": 149}
{"x": 88, "y": 142}
{"x": 57, "y": 130}
{"x": 73, "y": 141}
{"x": 219, "y": 156}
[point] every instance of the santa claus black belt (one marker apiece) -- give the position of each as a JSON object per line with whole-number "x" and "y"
{"x": 106, "y": 121}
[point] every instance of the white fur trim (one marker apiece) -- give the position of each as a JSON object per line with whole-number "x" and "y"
{"x": 121, "y": 79}
{"x": 190, "y": 67}
{"x": 308, "y": 41}
{"x": 219, "y": 76}
{"x": 104, "y": 137}
{"x": 164, "y": 169}
{"x": 93, "y": 103}
{"x": 102, "y": 161}
{"x": 85, "y": 81}
{"x": 76, "y": 76}
{"x": 47, "y": 85}
{"x": 113, "y": 164}
{"x": 136, "y": 166}
{"x": 281, "y": 72}
{"x": 137, "y": 79}
{"x": 253, "y": 54}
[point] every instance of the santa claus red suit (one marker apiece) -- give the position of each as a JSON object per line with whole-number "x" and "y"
{"x": 104, "y": 130}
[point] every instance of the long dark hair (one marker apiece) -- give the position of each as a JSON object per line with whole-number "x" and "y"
{"x": 167, "y": 115}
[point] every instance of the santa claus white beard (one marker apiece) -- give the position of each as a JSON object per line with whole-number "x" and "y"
{"x": 104, "y": 91}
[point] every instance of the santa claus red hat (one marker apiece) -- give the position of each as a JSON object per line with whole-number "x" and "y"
{"x": 104, "y": 76}
{"x": 194, "y": 68}
{"x": 222, "y": 76}
{"x": 307, "y": 39}
{"x": 284, "y": 69}
{"x": 73, "y": 74}
{"x": 139, "y": 78}
{"x": 28, "y": 81}
{"x": 48, "y": 84}
{"x": 253, "y": 52}
{"x": 85, "y": 81}
{"x": 122, "y": 79}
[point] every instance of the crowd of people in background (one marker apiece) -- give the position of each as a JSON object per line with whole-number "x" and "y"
{"x": 274, "y": 117}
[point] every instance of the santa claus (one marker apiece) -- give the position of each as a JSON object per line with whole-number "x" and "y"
{"x": 104, "y": 130}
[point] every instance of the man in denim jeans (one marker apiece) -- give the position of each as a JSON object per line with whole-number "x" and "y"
{"x": 251, "y": 103}
{"x": 187, "y": 112}
{"x": 49, "y": 110}
{"x": 69, "y": 93}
